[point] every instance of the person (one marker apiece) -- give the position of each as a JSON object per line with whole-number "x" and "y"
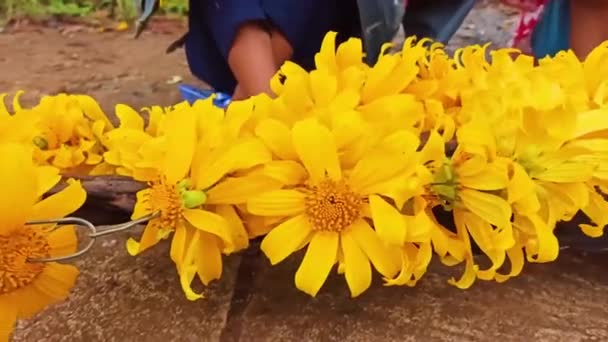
{"x": 549, "y": 26}
{"x": 236, "y": 46}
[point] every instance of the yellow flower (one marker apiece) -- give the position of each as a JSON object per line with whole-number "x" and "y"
{"x": 194, "y": 196}
{"x": 28, "y": 287}
{"x": 66, "y": 130}
{"x": 469, "y": 184}
{"x": 326, "y": 212}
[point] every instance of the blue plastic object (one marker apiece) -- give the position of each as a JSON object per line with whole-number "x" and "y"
{"x": 191, "y": 93}
{"x": 552, "y": 33}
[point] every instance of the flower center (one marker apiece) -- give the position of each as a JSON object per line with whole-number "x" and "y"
{"x": 15, "y": 249}
{"x": 165, "y": 199}
{"x": 170, "y": 200}
{"x": 332, "y": 206}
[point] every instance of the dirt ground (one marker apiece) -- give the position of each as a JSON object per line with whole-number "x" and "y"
{"x": 120, "y": 298}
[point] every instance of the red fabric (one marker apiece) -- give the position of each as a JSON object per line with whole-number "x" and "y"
{"x": 530, "y": 14}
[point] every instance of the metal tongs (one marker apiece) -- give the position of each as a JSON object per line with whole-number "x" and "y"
{"x": 94, "y": 232}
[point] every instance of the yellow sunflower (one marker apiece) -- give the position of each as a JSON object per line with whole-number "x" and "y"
{"x": 327, "y": 213}
{"x": 195, "y": 194}
{"x": 28, "y": 287}
{"x": 66, "y": 130}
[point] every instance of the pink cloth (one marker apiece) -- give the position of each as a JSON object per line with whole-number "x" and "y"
{"x": 531, "y": 10}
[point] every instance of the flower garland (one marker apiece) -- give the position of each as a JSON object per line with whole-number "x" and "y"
{"x": 349, "y": 163}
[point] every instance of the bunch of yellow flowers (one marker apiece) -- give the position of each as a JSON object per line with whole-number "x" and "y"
{"x": 352, "y": 163}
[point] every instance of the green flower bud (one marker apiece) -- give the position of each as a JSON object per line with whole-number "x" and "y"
{"x": 193, "y": 198}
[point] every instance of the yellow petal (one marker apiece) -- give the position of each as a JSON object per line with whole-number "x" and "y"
{"x": 179, "y": 244}
{"x": 62, "y": 241}
{"x": 16, "y": 101}
{"x": 236, "y": 190}
{"x": 92, "y": 110}
{"x": 323, "y": 87}
{"x": 309, "y": 138}
{"x": 180, "y": 138}
{"x": 489, "y": 207}
{"x": 277, "y": 203}
{"x": 129, "y": 118}
{"x": 597, "y": 211}
{"x": 357, "y": 269}
{"x": 286, "y": 238}
{"x": 48, "y": 177}
{"x": 433, "y": 149}
{"x": 277, "y": 137}
{"x": 287, "y": 172}
{"x": 211, "y": 223}
{"x": 492, "y": 177}
{"x": 237, "y": 229}
{"x": 209, "y": 258}
{"x": 377, "y": 167}
{"x": 8, "y": 316}
{"x": 56, "y": 281}
{"x": 188, "y": 269}
{"x": 468, "y": 277}
{"x": 566, "y": 173}
{"x": 388, "y": 222}
{"x": 150, "y": 237}
{"x": 520, "y": 184}
{"x": 516, "y": 259}
{"x": 590, "y": 121}
{"x": 386, "y": 259}
{"x": 548, "y": 245}
{"x": 350, "y": 53}
{"x": 318, "y": 261}
{"x": 325, "y": 59}
{"x": 3, "y": 110}
{"x": 60, "y": 204}
{"x": 209, "y": 166}
{"x": 19, "y": 184}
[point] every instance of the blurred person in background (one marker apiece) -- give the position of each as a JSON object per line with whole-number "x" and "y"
{"x": 549, "y": 26}
{"x": 236, "y": 46}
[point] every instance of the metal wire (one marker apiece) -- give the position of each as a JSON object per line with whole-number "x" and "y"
{"x": 94, "y": 232}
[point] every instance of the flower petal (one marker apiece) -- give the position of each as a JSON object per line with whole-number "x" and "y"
{"x": 8, "y": 315}
{"x": 358, "y": 271}
{"x": 309, "y": 138}
{"x": 209, "y": 258}
{"x": 277, "y": 203}
{"x": 18, "y": 181}
{"x": 60, "y": 204}
{"x": 236, "y": 190}
{"x": 375, "y": 168}
{"x": 151, "y": 236}
{"x": 468, "y": 277}
{"x": 62, "y": 241}
{"x": 386, "y": 259}
{"x": 56, "y": 281}
{"x": 489, "y": 207}
{"x": 178, "y": 246}
{"x": 288, "y": 172}
{"x": 277, "y": 137}
{"x": 129, "y": 117}
{"x": 390, "y": 225}
{"x": 180, "y": 138}
{"x": 235, "y": 224}
{"x": 286, "y": 238}
{"x": 48, "y": 177}
{"x": 318, "y": 261}
{"x": 211, "y": 223}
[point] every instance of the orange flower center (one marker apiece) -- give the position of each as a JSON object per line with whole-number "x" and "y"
{"x": 15, "y": 250}
{"x": 165, "y": 199}
{"x": 332, "y": 206}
